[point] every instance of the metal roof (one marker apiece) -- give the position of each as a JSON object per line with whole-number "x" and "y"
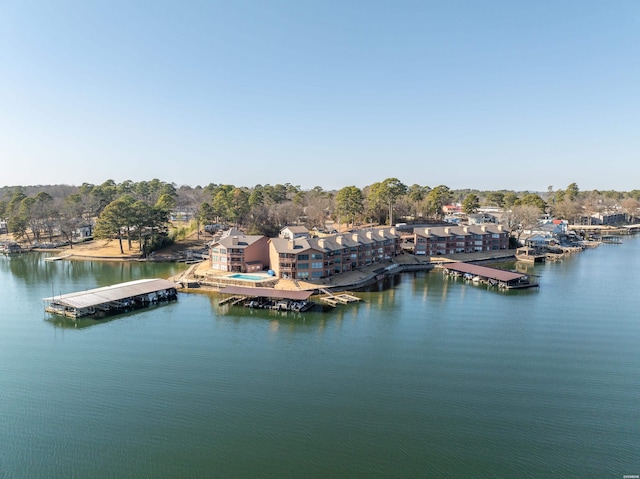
{"x": 116, "y": 292}
{"x": 266, "y": 292}
{"x": 484, "y": 271}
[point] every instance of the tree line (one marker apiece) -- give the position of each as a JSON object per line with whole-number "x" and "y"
{"x": 141, "y": 211}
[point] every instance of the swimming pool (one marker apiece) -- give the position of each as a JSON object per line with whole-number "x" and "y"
{"x": 248, "y": 277}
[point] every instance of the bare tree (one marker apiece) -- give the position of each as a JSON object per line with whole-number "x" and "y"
{"x": 521, "y": 218}
{"x": 631, "y": 207}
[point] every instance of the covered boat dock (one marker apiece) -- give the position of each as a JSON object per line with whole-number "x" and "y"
{"x": 491, "y": 276}
{"x": 267, "y": 298}
{"x": 115, "y": 298}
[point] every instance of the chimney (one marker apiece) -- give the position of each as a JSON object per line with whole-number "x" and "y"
{"x": 292, "y": 243}
{"x": 465, "y": 229}
{"x": 354, "y": 236}
{"x": 447, "y": 230}
{"x": 500, "y": 228}
{"x": 484, "y": 228}
{"x": 370, "y": 234}
{"x": 339, "y": 239}
{"x": 427, "y": 232}
{"x": 321, "y": 243}
{"x": 234, "y": 241}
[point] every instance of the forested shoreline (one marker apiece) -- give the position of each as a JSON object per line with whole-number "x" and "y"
{"x": 154, "y": 213}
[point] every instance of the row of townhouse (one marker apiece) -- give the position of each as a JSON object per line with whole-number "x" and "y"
{"x": 315, "y": 258}
{"x": 606, "y": 218}
{"x": 295, "y": 255}
{"x": 442, "y": 240}
{"x": 303, "y": 257}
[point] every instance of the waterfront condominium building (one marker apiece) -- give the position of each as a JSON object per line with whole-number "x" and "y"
{"x": 314, "y": 258}
{"x": 239, "y": 253}
{"x": 442, "y": 240}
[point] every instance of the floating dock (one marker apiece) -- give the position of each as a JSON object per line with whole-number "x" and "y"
{"x": 334, "y": 299}
{"x": 491, "y": 276}
{"x": 111, "y": 299}
{"x": 50, "y": 259}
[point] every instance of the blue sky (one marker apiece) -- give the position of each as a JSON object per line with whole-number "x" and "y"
{"x": 470, "y": 94}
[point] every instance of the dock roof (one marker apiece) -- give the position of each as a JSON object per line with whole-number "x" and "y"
{"x": 116, "y": 292}
{"x": 267, "y": 292}
{"x": 484, "y": 271}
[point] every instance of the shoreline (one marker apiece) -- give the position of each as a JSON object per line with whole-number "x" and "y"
{"x": 352, "y": 280}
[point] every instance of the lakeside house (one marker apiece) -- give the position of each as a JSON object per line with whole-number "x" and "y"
{"x": 481, "y": 218}
{"x": 294, "y": 232}
{"x": 452, "y": 209}
{"x": 546, "y": 232}
{"x": 83, "y": 232}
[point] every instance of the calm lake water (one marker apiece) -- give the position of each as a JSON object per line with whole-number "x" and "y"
{"x": 429, "y": 378}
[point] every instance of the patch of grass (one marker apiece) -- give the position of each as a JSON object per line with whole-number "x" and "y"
{"x": 181, "y": 233}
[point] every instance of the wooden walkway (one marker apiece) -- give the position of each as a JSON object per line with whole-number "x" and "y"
{"x": 335, "y": 299}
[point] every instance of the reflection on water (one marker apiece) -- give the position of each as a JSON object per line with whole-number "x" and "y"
{"x": 425, "y": 378}
{"x": 88, "y": 321}
{"x": 32, "y": 269}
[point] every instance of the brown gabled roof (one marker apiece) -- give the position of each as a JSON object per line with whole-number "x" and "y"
{"x": 485, "y": 271}
{"x": 266, "y": 292}
{"x": 285, "y": 245}
{"x": 242, "y": 241}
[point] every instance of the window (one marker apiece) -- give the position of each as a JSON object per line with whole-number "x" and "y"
{"x": 302, "y": 275}
{"x": 303, "y": 265}
{"x": 316, "y": 274}
{"x": 317, "y": 265}
{"x": 303, "y": 257}
{"x": 316, "y": 256}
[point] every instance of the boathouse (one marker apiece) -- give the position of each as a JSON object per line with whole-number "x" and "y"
{"x": 115, "y": 298}
{"x": 267, "y": 298}
{"x": 492, "y": 276}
